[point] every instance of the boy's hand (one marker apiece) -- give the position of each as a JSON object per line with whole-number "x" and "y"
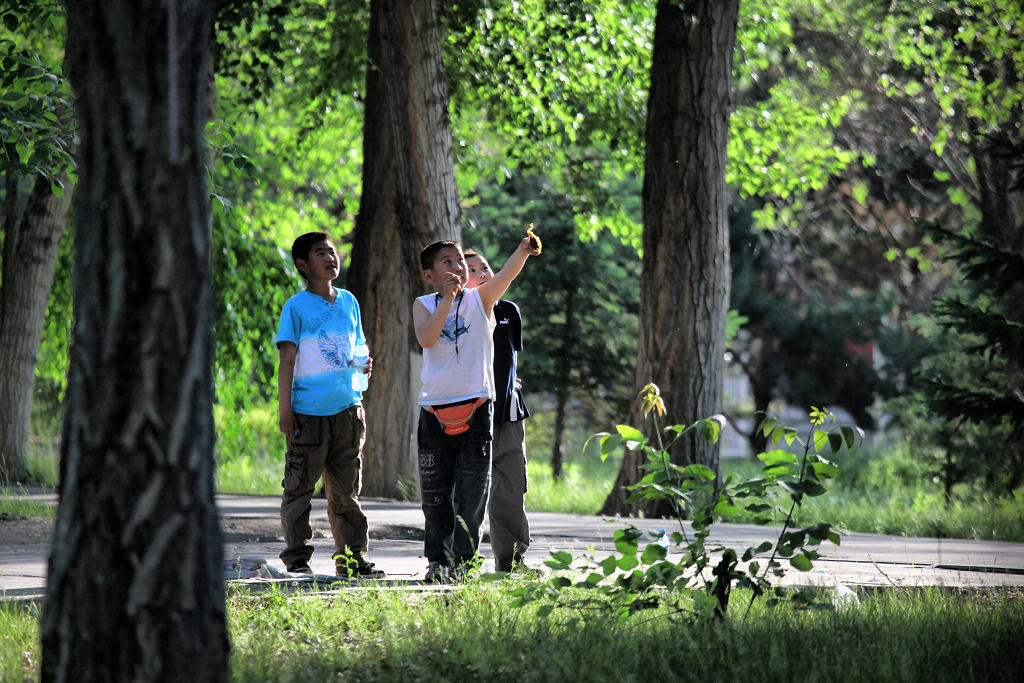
{"x": 451, "y": 286}
{"x": 288, "y": 425}
{"x": 534, "y": 240}
{"x": 529, "y": 245}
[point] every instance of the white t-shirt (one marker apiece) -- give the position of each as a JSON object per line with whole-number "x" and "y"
{"x": 460, "y": 366}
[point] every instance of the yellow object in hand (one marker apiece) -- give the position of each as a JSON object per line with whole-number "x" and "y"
{"x": 534, "y": 240}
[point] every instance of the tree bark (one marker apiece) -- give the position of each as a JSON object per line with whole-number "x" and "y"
{"x": 409, "y": 199}
{"x": 135, "y": 588}
{"x": 557, "y": 446}
{"x": 569, "y": 343}
{"x": 29, "y": 261}
{"x": 685, "y": 283}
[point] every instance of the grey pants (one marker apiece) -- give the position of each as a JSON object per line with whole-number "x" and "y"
{"x": 506, "y": 507}
{"x": 329, "y": 447}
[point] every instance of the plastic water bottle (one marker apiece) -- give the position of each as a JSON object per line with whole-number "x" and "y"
{"x": 663, "y": 541}
{"x": 360, "y": 361}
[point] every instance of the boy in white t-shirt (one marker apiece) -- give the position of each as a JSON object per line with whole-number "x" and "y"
{"x": 454, "y": 327}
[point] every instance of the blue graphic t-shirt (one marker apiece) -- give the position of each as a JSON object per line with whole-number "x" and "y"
{"x": 325, "y": 335}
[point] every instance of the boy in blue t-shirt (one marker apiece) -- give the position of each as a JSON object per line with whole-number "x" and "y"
{"x": 320, "y": 411}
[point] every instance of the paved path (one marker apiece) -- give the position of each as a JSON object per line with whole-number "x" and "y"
{"x": 861, "y": 559}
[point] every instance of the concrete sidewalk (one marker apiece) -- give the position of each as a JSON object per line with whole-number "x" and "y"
{"x": 395, "y": 532}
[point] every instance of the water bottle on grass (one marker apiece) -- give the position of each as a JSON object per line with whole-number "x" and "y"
{"x": 662, "y": 540}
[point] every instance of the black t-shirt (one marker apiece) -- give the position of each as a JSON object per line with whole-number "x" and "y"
{"x": 508, "y": 341}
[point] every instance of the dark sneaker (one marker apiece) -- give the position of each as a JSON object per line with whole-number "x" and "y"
{"x": 299, "y": 567}
{"x": 437, "y": 573}
{"x": 356, "y": 566}
{"x": 464, "y": 572}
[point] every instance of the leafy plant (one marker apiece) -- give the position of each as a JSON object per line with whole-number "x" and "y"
{"x": 700, "y": 582}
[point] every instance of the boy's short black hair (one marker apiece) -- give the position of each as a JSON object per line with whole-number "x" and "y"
{"x": 429, "y": 253}
{"x": 303, "y": 244}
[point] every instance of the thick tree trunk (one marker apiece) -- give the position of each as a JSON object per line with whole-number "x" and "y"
{"x": 685, "y": 284}
{"x": 409, "y": 200}
{"x": 135, "y": 588}
{"x": 29, "y": 260}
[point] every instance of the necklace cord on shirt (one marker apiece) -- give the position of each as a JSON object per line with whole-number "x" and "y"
{"x": 458, "y": 303}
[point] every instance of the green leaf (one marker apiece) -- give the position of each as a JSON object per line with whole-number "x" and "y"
{"x": 652, "y": 553}
{"x": 711, "y": 428}
{"x": 696, "y": 470}
{"x": 823, "y": 469}
{"x": 850, "y": 435}
{"x": 835, "y": 441}
{"x": 820, "y": 439}
{"x": 782, "y": 469}
{"x": 725, "y": 508}
{"x": 820, "y": 532}
{"x": 801, "y": 562}
{"x": 560, "y": 582}
{"x": 810, "y": 488}
{"x": 767, "y": 426}
{"x": 633, "y": 437}
{"x": 604, "y": 442}
{"x": 776, "y": 456}
{"x": 860, "y": 193}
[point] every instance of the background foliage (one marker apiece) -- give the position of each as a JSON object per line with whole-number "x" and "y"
{"x": 854, "y": 124}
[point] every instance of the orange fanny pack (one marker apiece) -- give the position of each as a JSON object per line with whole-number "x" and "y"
{"x": 455, "y": 419}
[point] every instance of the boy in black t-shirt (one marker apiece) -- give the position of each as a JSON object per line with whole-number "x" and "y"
{"x": 506, "y": 505}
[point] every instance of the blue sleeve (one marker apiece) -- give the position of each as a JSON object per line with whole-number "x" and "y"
{"x": 290, "y": 326}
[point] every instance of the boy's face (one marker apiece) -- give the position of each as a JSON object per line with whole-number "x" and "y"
{"x": 448, "y": 264}
{"x": 321, "y": 264}
{"x": 479, "y": 271}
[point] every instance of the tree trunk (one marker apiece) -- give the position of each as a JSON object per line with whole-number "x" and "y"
{"x": 409, "y": 200}
{"x": 684, "y": 291}
{"x": 135, "y": 588}
{"x": 557, "y": 447}
{"x": 569, "y": 344}
{"x": 29, "y": 260}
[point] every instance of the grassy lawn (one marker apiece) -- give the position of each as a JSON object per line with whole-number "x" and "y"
{"x": 14, "y": 504}
{"x": 474, "y": 633}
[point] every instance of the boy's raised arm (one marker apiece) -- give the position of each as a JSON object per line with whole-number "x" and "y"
{"x": 492, "y": 290}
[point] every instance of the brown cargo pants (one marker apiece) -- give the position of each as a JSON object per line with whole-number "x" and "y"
{"x": 331, "y": 447}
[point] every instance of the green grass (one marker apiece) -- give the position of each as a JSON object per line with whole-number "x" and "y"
{"x": 585, "y": 481}
{"x": 13, "y": 503}
{"x": 19, "y": 642}
{"x": 891, "y": 493}
{"x": 475, "y": 633}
